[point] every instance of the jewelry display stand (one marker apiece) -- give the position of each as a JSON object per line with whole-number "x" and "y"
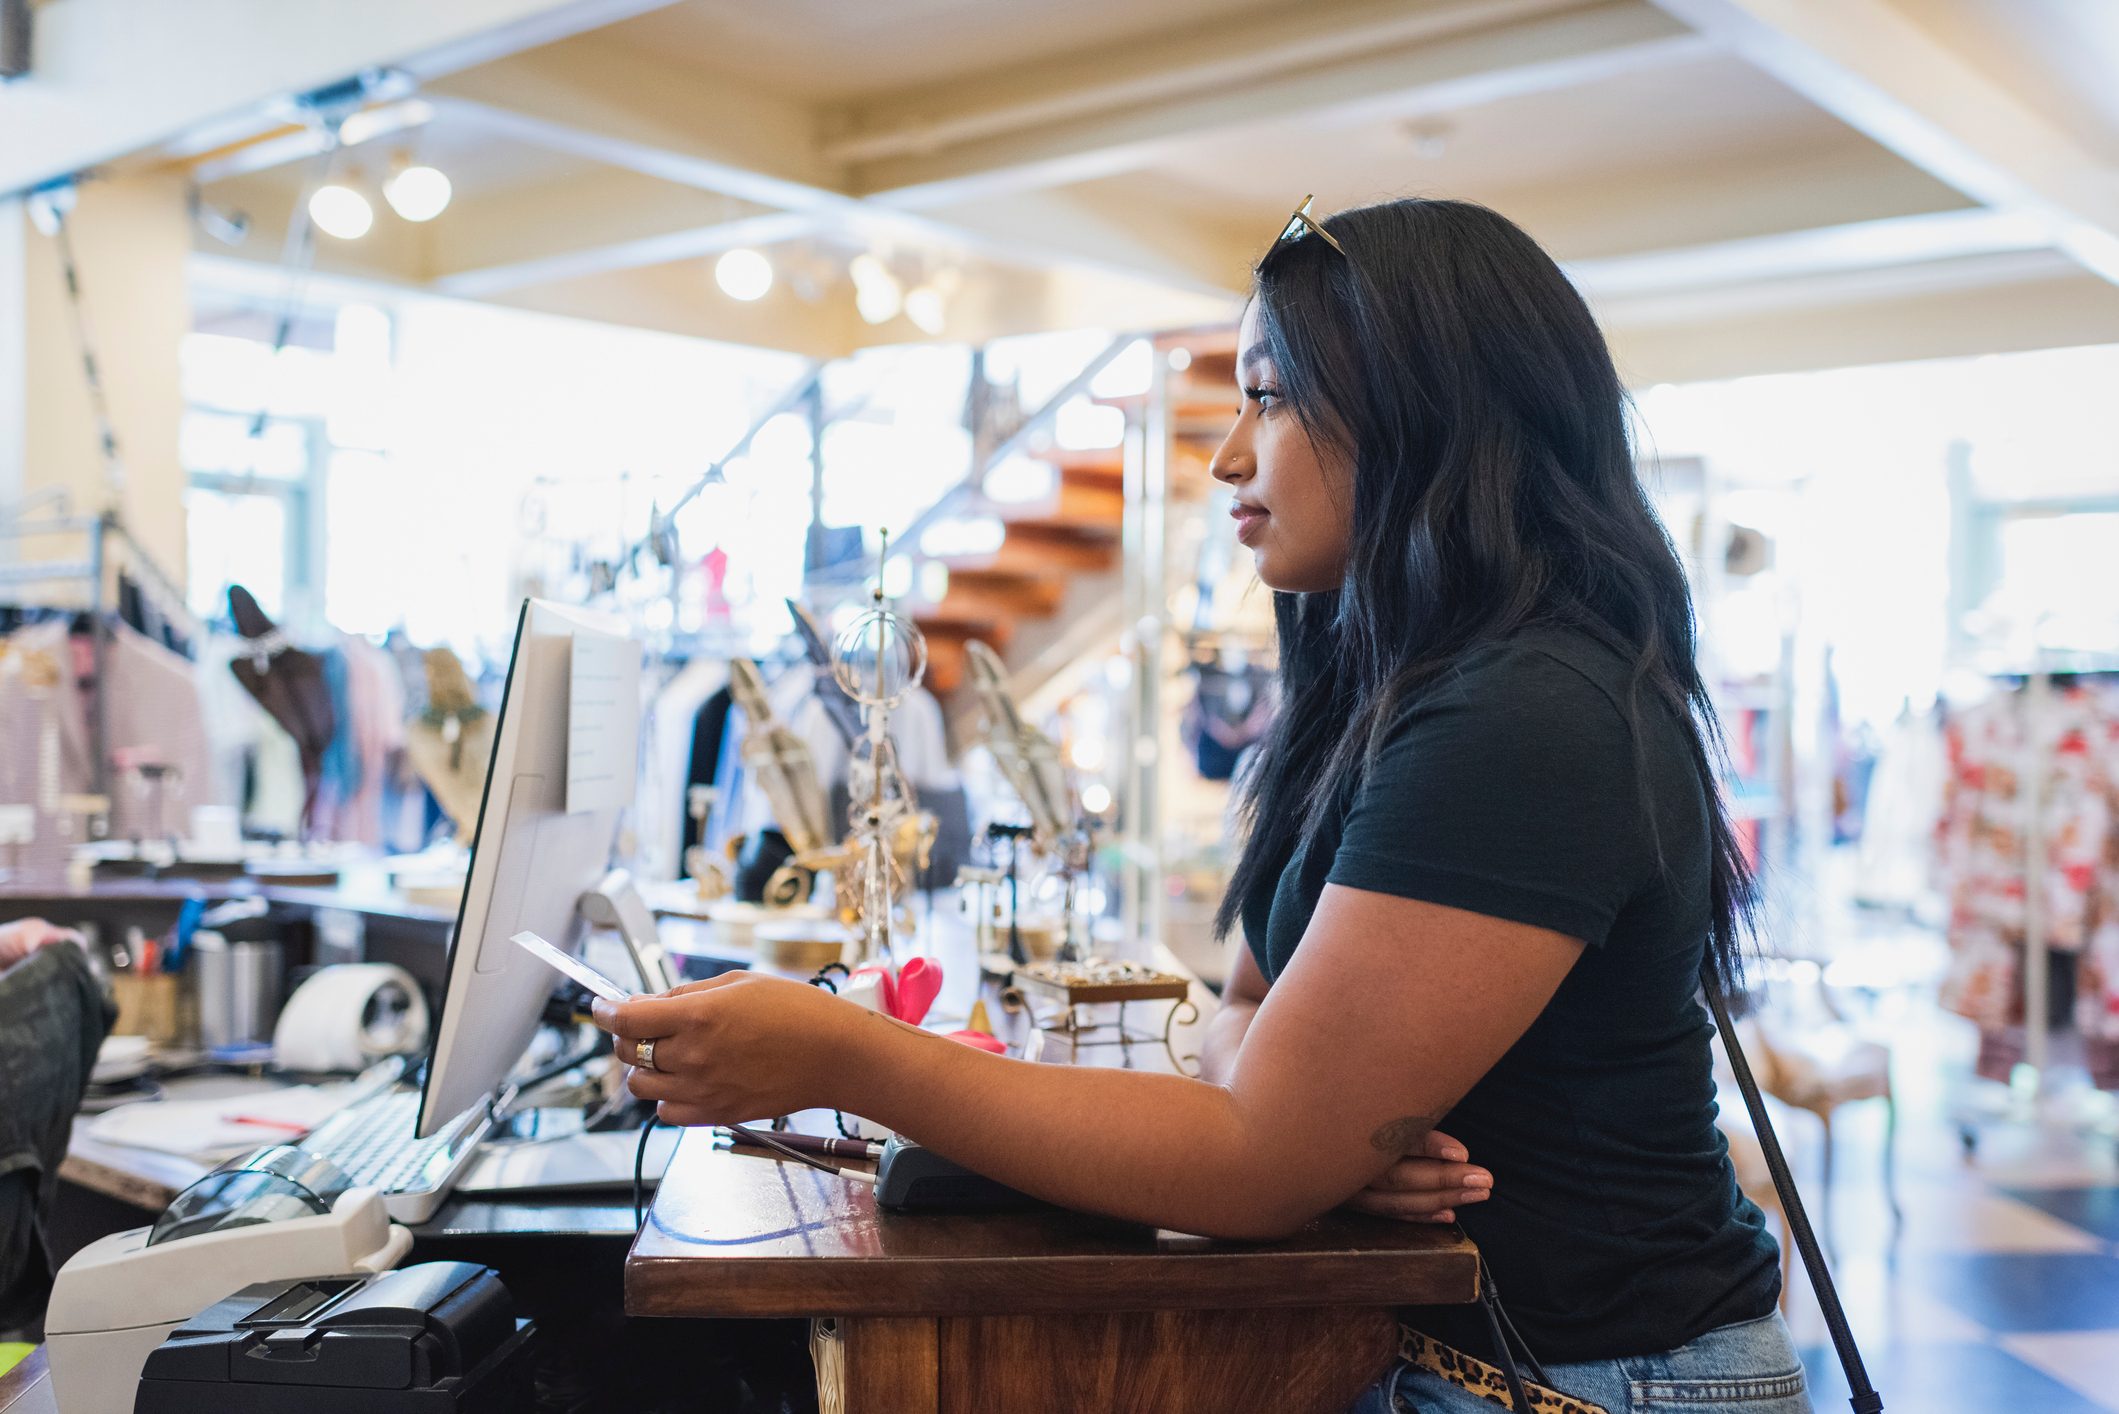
{"x": 1096, "y": 982}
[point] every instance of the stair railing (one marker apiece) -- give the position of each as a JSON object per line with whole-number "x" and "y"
{"x": 844, "y": 576}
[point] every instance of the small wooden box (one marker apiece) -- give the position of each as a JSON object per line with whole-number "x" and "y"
{"x": 1158, "y": 986}
{"x": 157, "y": 1005}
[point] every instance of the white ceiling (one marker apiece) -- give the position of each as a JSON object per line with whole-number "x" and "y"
{"x": 2062, "y": 56}
{"x": 851, "y": 49}
{"x": 1134, "y": 155}
{"x": 479, "y": 162}
{"x": 1662, "y": 122}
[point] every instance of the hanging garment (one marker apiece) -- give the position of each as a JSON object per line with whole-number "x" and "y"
{"x": 2071, "y": 742}
{"x": 289, "y": 684}
{"x": 1231, "y": 711}
{"x": 916, "y": 728}
{"x": 279, "y": 787}
{"x": 672, "y": 717}
{"x": 717, "y": 761}
{"x": 1895, "y": 857}
{"x": 139, "y": 608}
{"x": 376, "y": 694}
{"x": 43, "y": 751}
{"x": 234, "y": 720}
{"x": 339, "y": 775}
{"x": 152, "y": 711}
{"x": 2097, "y": 978}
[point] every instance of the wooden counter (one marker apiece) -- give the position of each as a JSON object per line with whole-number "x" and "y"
{"x": 1040, "y": 1309}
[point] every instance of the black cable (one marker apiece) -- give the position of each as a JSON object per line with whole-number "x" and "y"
{"x": 587, "y": 1053}
{"x": 1519, "y": 1400}
{"x": 640, "y": 1171}
{"x": 1864, "y": 1398}
{"x": 1537, "y": 1370}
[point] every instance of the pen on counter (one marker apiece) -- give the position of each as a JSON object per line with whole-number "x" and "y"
{"x": 768, "y": 1141}
{"x": 831, "y": 1147}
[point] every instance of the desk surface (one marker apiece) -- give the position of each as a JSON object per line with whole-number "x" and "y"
{"x": 732, "y": 1234}
{"x": 149, "y": 1179}
{"x": 364, "y": 888}
{"x": 735, "y": 1234}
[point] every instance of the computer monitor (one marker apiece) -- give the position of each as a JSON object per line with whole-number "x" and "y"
{"x": 531, "y": 859}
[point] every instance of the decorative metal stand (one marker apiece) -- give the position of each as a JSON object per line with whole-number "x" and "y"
{"x": 1030, "y": 762}
{"x": 878, "y": 661}
{"x": 1044, "y": 982}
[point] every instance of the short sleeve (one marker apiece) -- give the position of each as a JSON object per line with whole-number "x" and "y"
{"x": 1512, "y": 792}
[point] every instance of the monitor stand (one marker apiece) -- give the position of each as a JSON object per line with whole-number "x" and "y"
{"x": 572, "y": 1159}
{"x": 616, "y": 903}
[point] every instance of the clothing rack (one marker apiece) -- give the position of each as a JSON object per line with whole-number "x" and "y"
{"x": 2046, "y": 666}
{"x": 101, "y": 535}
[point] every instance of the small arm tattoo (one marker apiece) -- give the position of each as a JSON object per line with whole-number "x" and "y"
{"x": 1402, "y": 1136}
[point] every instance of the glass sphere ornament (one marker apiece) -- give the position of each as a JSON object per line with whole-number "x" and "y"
{"x": 879, "y": 658}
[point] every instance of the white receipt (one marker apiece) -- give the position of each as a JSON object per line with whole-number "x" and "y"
{"x": 573, "y": 967}
{"x": 603, "y": 722}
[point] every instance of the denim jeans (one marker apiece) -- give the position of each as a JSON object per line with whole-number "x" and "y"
{"x": 1748, "y": 1368}
{"x": 53, "y": 1018}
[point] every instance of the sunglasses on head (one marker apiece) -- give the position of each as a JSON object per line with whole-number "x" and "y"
{"x": 1301, "y": 224}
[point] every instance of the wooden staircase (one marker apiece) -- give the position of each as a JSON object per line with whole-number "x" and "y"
{"x": 1047, "y": 546}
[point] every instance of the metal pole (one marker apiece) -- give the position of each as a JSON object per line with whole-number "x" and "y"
{"x": 813, "y": 558}
{"x": 2038, "y": 696}
{"x": 99, "y": 639}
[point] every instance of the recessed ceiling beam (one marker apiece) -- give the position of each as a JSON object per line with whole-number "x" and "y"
{"x": 1882, "y": 73}
{"x": 1858, "y": 246}
{"x": 298, "y": 144}
{"x": 119, "y": 77}
{"x": 607, "y": 104}
{"x": 1454, "y": 72}
{"x": 1182, "y": 63}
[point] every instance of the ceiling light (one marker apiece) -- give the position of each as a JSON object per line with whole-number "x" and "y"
{"x": 923, "y": 307}
{"x": 879, "y": 304}
{"x": 868, "y": 269}
{"x": 341, "y": 211}
{"x": 418, "y": 193}
{"x": 743, "y": 274}
{"x": 877, "y": 293}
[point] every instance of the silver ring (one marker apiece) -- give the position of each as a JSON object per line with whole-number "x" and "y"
{"x": 644, "y": 1054}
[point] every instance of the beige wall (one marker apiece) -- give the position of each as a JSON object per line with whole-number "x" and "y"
{"x": 131, "y": 241}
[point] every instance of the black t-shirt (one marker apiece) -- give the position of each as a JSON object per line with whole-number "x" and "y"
{"x": 1512, "y": 788}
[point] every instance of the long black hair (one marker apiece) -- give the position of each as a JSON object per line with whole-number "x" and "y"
{"x": 1460, "y": 374}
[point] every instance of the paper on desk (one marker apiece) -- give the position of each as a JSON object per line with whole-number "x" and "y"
{"x": 603, "y": 722}
{"x": 224, "y": 1125}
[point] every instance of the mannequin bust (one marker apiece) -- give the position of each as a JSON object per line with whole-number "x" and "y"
{"x": 288, "y": 683}
{"x": 450, "y": 744}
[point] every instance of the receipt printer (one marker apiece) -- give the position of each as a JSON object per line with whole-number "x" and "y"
{"x": 438, "y": 1336}
{"x": 913, "y": 1179}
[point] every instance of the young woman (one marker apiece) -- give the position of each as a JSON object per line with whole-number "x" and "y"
{"x": 1486, "y": 871}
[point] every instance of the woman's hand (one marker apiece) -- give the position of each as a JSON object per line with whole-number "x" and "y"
{"x": 1426, "y": 1187}
{"x": 24, "y": 936}
{"x": 737, "y": 1048}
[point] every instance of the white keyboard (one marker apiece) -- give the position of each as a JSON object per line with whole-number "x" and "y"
{"x": 372, "y": 1143}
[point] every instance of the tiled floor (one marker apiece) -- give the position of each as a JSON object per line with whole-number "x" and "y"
{"x": 2001, "y": 1290}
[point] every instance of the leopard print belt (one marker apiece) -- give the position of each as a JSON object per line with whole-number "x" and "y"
{"x": 1475, "y": 1376}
